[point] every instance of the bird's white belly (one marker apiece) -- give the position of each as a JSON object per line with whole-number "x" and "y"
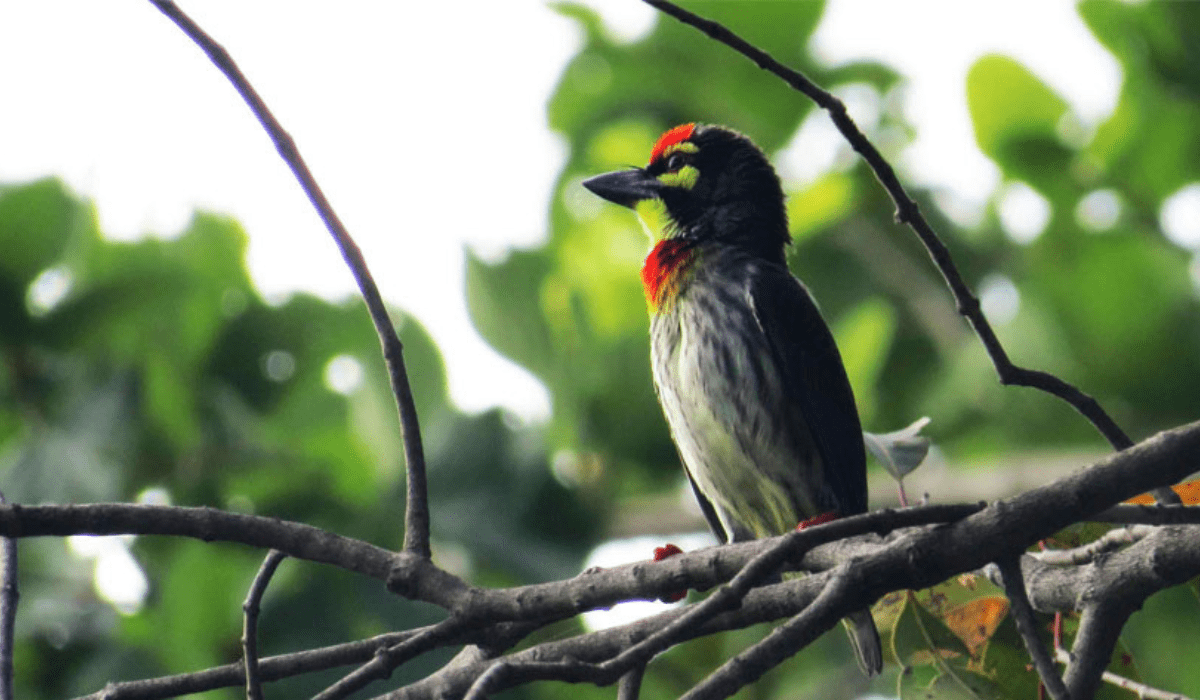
{"x": 719, "y": 408}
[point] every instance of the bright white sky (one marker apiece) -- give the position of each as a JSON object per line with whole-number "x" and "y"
{"x": 401, "y": 107}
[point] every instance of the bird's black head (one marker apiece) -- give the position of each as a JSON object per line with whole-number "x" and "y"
{"x": 707, "y": 183}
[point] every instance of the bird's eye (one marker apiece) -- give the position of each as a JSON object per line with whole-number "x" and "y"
{"x": 676, "y": 161}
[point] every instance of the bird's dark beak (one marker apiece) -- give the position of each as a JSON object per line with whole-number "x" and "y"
{"x": 625, "y": 187}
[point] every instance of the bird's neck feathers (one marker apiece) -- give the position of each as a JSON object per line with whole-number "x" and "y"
{"x": 666, "y": 268}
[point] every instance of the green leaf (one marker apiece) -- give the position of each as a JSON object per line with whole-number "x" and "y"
{"x": 608, "y": 80}
{"x": 1148, "y": 142}
{"x": 865, "y": 340}
{"x": 1016, "y": 119}
{"x": 198, "y": 618}
{"x": 819, "y": 205}
{"x": 959, "y": 683}
{"x": 914, "y": 681}
{"x": 1007, "y": 661}
{"x": 36, "y": 223}
{"x": 1008, "y": 103}
{"x": 505, "y": 302}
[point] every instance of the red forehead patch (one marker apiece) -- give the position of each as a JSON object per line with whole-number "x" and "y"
{"x": 680, "y": 133}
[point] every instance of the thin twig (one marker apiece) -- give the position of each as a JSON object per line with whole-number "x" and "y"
{"x": 387, "y": 659}
{"x": 728, "y": 597}
{"x": 908, "y": 213}
{"x": 416, "y": 530}
{"x": 1141, "y": 690}
{"x": 9, "y": 595}
{"x": 1023, "y": 615}
{"x": 1109, "y": 541}
{"x": 270, "y": 669}
{"x": 783, "y": 642}
{"x": 250, "y": 610}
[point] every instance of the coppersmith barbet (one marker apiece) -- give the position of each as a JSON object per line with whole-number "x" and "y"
{"x": 745, "y": 368}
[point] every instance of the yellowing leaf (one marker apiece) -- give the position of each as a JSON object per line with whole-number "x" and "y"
{"x": 976, "y": 621}
{"x": 1189, "y": 493}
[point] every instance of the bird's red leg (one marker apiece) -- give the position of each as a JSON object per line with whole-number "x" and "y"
{"x": 817, "y": 520}
{"x": 665, "y": 552}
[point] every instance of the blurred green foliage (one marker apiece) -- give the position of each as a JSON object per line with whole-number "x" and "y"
{"x": 153, "y": 370}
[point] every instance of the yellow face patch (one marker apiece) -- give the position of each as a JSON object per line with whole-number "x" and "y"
{"x": 684, "y": 178}
{"x": 655, "y": 220}
{"x": 652, "y": 212}
{"x": 681, "y": 147}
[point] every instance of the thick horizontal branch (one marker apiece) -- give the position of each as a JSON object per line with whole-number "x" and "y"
{"x": 646, "y": 580}
{"x": 1022, "y": 520}
{"x": 209, "y": 524}
{"x": 760, "y": 605}
{"x": 914, "y": 559}
{"x": 941, "y": 541}
{"x": 765, "y": 604}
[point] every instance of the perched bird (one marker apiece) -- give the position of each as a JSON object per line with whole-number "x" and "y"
{"x": 746, "y": 371}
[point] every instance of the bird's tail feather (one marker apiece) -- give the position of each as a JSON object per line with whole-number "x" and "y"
{"x": 864, "y": 637}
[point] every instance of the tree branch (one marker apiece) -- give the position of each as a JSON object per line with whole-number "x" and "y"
{"x": 907, "y": 212}
{"x": 9, "y": 595}
{"x": 1160, "y": 560}
{"x": 784, "y": 641}
{"x": 416, "y": 530}
{"x": 1112, "y": 540}
{"x": 914, "y": 558}
{"x": 594, "y": 648}
{"x": 1100, "y": 625}
{"x": 1149, "y": 515}
{"x": 936, "y": 553}
{"x": 1141, "y": 690}
{"x": 1014, "y": 587}
{"x": 1107, "y": 591}
{"x": 630, "y": 687}
{"x": 910, "y": 559}
{"x": 208, "y": 524}
{"x": 270, "y": 669}
{"x": 250, "y": 610}
{"x": 387, "y": 659}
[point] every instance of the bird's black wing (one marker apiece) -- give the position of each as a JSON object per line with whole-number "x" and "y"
{"x": 813, "y": 370}
{"x": 710, "y": 513}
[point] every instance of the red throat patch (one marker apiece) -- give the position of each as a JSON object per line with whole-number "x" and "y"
{"x": 683, "y": 132}
{"x": 660, "y": 273}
